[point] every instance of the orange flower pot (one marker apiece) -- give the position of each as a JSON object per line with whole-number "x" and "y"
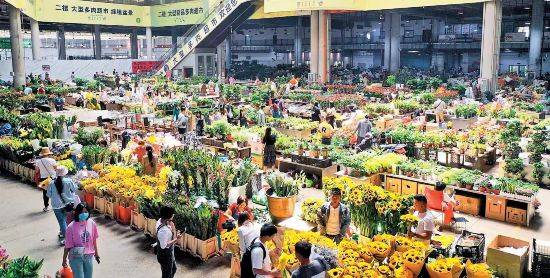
{"x": 89, "y": 199}
{"x": 124, "y": 215}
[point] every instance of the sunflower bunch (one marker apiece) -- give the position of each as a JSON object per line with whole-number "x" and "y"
{"x": 403, "y": 243}
{"x": 385, "y": 271}
{"x": 444, "y": 240}
{"x": 310, "y": 206}
{"x": 287, "y": 262}
{"x": 444, "y": 266}
{"x": 336, "y": 272}
{"x": 230, "y": 237}
{"x": 409, "y": 218}
{"x": 387, "y": 238}
{"x": 379, "y": 249}
{"x": 291, "y": 237}
{"x": 481, "y": 270}
{"x": 413, "y": 259}
{"x": 403, "y": 272}
{"x": 343, "y": 183}
{"x": 396, "y": 260}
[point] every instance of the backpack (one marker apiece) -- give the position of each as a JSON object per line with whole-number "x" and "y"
{"x": 246, "y": 261}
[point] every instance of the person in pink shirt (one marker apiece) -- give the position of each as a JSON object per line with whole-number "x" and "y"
{"x": 81, "y": 243}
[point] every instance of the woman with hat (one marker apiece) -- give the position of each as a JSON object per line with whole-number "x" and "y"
{"x": 62, "y": 192}
{"x": 46, "y": 166}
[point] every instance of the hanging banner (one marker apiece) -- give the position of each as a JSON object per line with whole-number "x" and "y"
{"x": 272, "y": 6}
{"x": 87, "y": 12}
{"x": 182, "y": 13}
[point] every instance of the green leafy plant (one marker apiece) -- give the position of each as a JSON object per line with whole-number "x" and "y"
{"x": 466, "y": 110}
{"x": 87, "y": 137}
{"x": 284, "y": 185}
{"x": 23, "y": 267}
{"x": 514, "y": 166}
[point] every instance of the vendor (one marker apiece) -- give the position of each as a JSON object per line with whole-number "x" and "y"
{"x": 326, "y": 130}
{"x": 333, "y": 218}
{"x": 240, "y": 206}
{"x": 293, "y": 82}
{"x": 439, "y": 109}
{"x": 425, "y": 227}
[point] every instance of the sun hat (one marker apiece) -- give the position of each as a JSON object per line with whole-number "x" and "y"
{"x": 61, "y": 171}
{"x": 45, "y": 151}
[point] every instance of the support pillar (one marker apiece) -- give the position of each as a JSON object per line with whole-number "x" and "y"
{"x": 134, "y": 44}
{"x": 490, "y": 45}
{"x": 324, "y": 47}
{"x": 387, "y": 40}
{"x": 149, "y": 42}
{"x": 220, "y": 52}
{"x": 61, "y": 48}
{"x": 314, "y": 44}
{"x": 228, "y": 53}
{"x": 17, "y": 54}
{"x": 298, "y": 41}
{"x": 97, "y": 42}
{"x": 35, "y": 40}
{"x": 536, "y": 32}
{"x": 174, "y": 40}
{"x": 465, "y": 62}
{"x": 438, "y": 61}
{"x": 395, "y": 46}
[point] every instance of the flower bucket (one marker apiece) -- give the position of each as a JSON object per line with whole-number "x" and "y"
{"x": 151, "y": 227}
{"x": 111, "y": 209}
{"x": 124, "y": 215}
{"x": 65, "y": 272}
{"x": 206, "y": 248}
{"x": 99, "y": 204}
{"x": 89, "y": 199}
{"x": 281, "y": 208}
{"x": 182, "y": 242}
{"x": 191, "y": 244}
{"x": 137, "y": 220}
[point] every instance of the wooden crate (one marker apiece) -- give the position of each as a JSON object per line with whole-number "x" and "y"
{"x": 151, "y": 227}
{"x": 469, "y": 205}
{"x": 409, "y": 187}
{"x": 138, "y": 220}
{"x": 99, "y": 204}
{"x": 191, "y": 244}
{"x": 393, "y": 184}
{"x": 516, "y": 215}
{"x": 495, "y": 207}
{"x": 206, "y": 248}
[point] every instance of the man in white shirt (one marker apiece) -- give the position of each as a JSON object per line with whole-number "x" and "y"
{"x": 261, "y": 265}
{"x": 247, "y": 231}
{"x": 261, "y": 116}
{"x": 167, "y": 236}
{"x": 439, "y": 109}
{"x": 46, "y": 166}
{"x": 425, "y": 227}
{"x": 333, "y": 218}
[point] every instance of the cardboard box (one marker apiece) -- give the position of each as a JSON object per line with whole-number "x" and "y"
{"x": 393, "y": 185}
{"x": 505, "y": 264}
{"x": 516, "y": 216}
{"x": 469, "y": 205}
{"x": 495, "y": 207}
{"x": 408, "y": 187}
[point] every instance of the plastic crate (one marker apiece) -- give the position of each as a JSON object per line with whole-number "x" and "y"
{"x": 540, "y": 265}
{"x": 473, "y": 253}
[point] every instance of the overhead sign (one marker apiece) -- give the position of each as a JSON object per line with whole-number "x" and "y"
{"x": 182, "y": 13}
{"x": 272, "y": 6}
{"x": 5, "y": 43}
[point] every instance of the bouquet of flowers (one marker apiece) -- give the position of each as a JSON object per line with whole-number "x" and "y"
{"x": 310, "y": 206}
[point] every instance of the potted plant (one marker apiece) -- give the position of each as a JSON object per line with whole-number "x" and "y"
{"x": 281, "y": 196}
{"x": 314, "y": 151}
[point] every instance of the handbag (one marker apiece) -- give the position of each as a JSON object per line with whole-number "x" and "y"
{"x": 68, "y": 207}
{"x": 77, "y": 252}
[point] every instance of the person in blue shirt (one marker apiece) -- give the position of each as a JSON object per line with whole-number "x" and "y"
{"x": 62, "y": 192}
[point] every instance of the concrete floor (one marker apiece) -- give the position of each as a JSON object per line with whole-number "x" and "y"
{"x": 26, "y": 230}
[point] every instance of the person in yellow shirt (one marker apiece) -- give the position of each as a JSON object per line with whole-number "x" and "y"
{"x": 326, "y": 130}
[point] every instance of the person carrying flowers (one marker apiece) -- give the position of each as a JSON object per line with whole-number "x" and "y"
{"x": 425, "y": 227}
{"x": 333, "y": 218}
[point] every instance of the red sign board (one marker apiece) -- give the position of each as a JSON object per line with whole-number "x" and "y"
{"x": 144, "y": 66}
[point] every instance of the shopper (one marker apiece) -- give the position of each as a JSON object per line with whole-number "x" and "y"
{"x": 439, "y": 109}
{"x": 150, "y": 162}
{"x": 62, "y": 192}
{"x": 256, "y": 261}
{"x": 200, "y": 125}
{"x": 243, "y": 122}
{"x": 269, "y": 149}
{"x": 46, "y": 166}
{"x": 182, "y": 123}
{"x": 333, "y": 217}
{"x": 447, "y": 205}
{"x": 239, "y": 207}
{"x": 316, "y": 115}
{"x": 425, "y": 227}
{"x": 167, "y": 236}
{"x": 246, "y": 231}
{"x": 59, "y": 102}
{"x": 81, "y": 243}
{"x": 315, "y": 268}
{"x": 364, "y": 127}
{"x": 261, "y": 115}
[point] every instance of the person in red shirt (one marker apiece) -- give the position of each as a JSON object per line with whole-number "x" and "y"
{"x": 240, "y": 206}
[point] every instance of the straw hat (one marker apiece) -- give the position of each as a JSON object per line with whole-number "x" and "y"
{"x": 45, "y": 151}
{"x": 61, "y": 171}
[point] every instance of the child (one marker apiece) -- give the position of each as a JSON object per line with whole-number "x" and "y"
{"x": 448, "y": 205}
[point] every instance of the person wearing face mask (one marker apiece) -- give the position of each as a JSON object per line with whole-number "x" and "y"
{"x": 167, "y": 236}
{"x": 81, "y": 243}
